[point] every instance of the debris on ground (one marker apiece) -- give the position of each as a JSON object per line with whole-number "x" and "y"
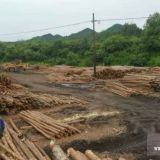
{"x": 91, "y": 115}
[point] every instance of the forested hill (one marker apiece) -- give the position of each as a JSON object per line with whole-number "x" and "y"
{"x": 118, "y": 45}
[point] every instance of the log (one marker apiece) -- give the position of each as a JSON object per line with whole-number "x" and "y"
{"x": 57, "y": 152}
{"x": 42, "y": 151}
{"x": 91, "y": 155}
{"x": 5, "y": 157}
{"x": 34, "y": 150}
{"x": 10, "y": 152}
{"x": 15, "y": 127}
{"x": 76, "y": 155}
{"x": 9, "y": 140}
{"x": 21, "y": 144}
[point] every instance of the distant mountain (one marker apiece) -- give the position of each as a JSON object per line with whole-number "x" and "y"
{"x": 48, "y": 37}
{"x": 115, "y": 28}
{"x": 86, "y": 33}
{"x": 128, "y": 29}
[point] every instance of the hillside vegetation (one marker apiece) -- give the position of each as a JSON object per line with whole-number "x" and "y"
{"x": 119, "y": 45}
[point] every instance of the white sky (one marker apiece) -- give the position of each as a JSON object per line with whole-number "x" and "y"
{"x": 24, "y": 15}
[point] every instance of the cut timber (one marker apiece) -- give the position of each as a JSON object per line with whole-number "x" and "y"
{"x": 91, "y": 155}
{"x": 47, "y": 126}
{"x": 76, "y": 155}
{"x": 42, "y": 151}
{"x": 57, "y": 152}
{"x": 21, "y": 144}
{"x": 10, "y": 152}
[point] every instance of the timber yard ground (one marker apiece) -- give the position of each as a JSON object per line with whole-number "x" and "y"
{"x": 114, "y": 123}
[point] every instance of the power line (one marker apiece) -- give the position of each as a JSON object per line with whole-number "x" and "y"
{"x": 73, "y": 24}
{"x": 121, "y": 19}
{"x": 45, "y": 29}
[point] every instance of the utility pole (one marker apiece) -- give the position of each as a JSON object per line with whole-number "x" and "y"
{"x": 94, "y": 46}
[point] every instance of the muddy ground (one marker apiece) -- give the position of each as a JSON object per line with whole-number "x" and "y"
{"x": 123, "y": 134}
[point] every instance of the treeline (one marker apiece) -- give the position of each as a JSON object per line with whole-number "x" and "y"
{"x": 119, "y": 45}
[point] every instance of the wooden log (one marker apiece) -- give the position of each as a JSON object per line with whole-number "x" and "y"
{"x": 39, "y": 123}
{"x": 34, "y": 150}
{"x": 42, "y": 151}
{"x": 4, "y": 141}
{"x": 10, "y": 152}
{"x": 5, "y": 157}
{"x": 121, "y": 158}
{"x": 9, "y": 140}
{"x": 21, "y": 144}
{"x": 15, "y": 127}
{"x": 57, "y": 152}
{"x": 39, "y": 130}
{"x": 91, "y": 155}
{"x": 76, "y": 155}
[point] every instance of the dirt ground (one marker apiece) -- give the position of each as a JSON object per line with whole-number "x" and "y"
{"x": 122, "y": 134}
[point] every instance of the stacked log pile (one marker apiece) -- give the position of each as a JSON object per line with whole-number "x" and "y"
{"x": 47, "y": 126}
{"x": 154, "y": 71}
{"x": 110, "y": 73}
{"x": 5, "y": 80}
{"x": 155, "y": 84}
{"x": 134, "y": 84}
{"x": 14, "y": 146}
{"x": 15, "y": 98}
{"x": 119, "y": 89}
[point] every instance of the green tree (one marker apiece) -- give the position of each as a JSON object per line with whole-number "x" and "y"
{"x": 151, "y": 38}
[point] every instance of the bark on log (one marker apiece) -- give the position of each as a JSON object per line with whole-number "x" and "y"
{"x": 10, "y": 152}
{"x": 58, "y": 153}
{"x": 34, "y": 150}
{"x": 76, "y": 155}
{"x": 42, "y": 151}
{"x": 24, "y": 148}
{"x": 91, "y": 155}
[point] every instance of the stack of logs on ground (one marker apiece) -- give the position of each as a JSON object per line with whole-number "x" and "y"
{"x": 15, "y": 146}
{"x": 134, "y": 84}
{"x": 15, "y": 98}
{"x": 110, "y": 73}
{"x": 5, "y": 83}
{"x": 47, "y": 126}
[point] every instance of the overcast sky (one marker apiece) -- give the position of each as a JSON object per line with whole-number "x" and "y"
{"x": 24, "y": 15}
